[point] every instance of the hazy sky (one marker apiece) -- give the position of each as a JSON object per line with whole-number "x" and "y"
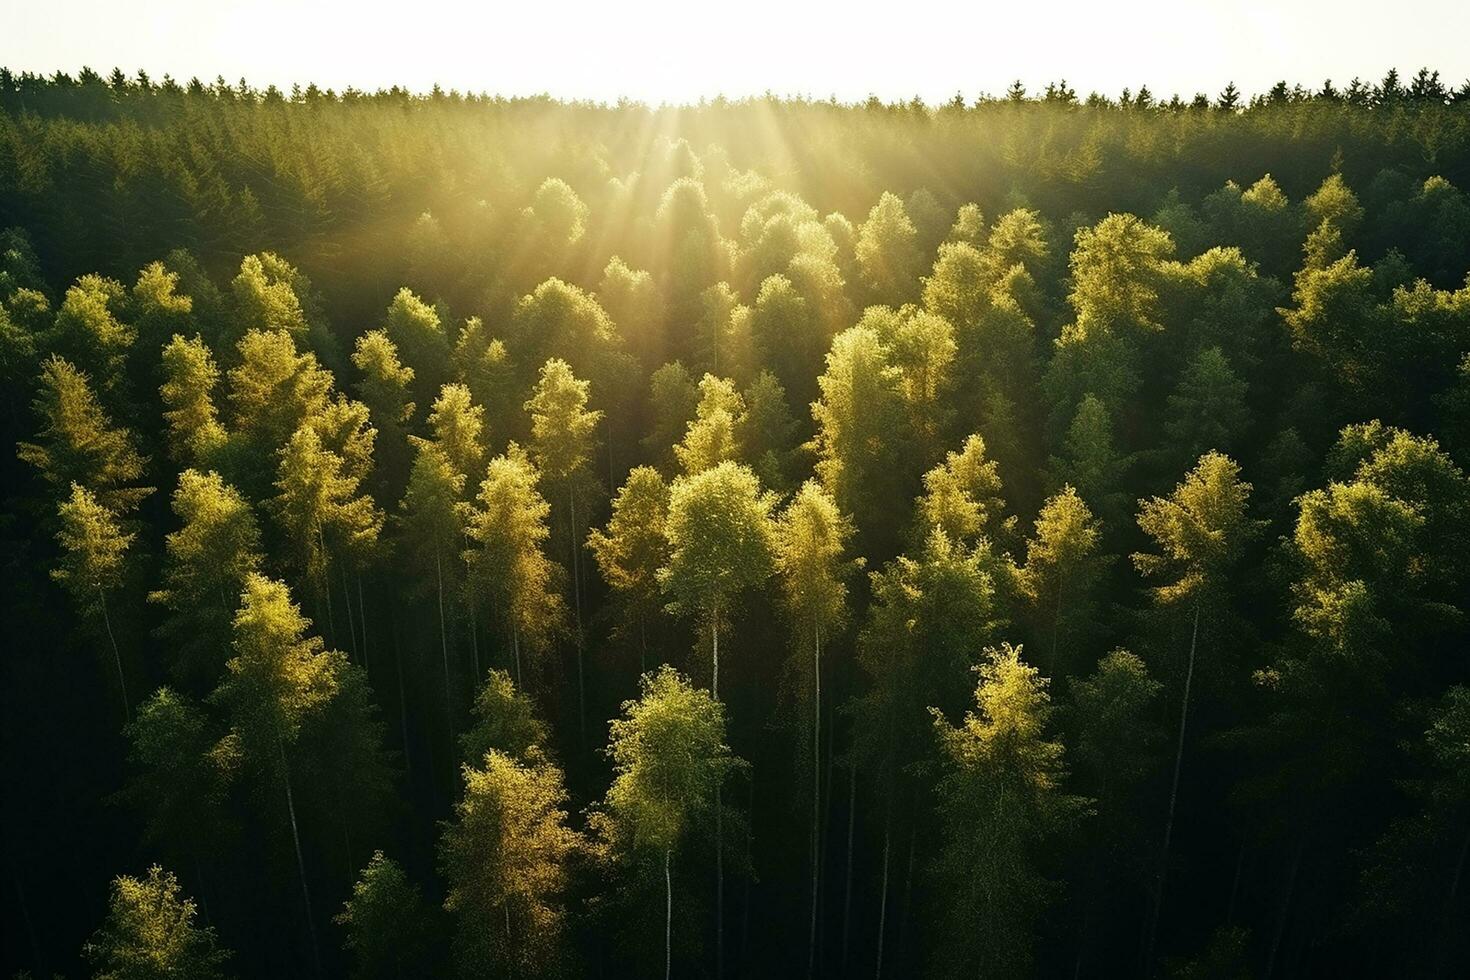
{"x": 666, "y": 50}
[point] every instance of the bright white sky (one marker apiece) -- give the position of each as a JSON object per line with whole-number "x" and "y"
{"x": 680, "y": 50}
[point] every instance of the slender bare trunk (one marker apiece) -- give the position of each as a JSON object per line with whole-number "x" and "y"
{"x": 351, "y": 622}
{"x": 362, "y": 618}
{"x": 122, "y": 685}
{"x": 719, "y": 812}
{"x": 474, "y": 642}
{"x": 847, "y": 889}
{"x": 402, "y": 696}
{"x": 883, "y": 892}
{"x": 515, "y": 646}
{"x": 668, "y": 917}
{"x": 1296, "y": 861}
{"x": 642, "y": 644}
{"x": 811, "y": 954}
{"x": 443, "y": 636}
{"x": 1056, "y": 625}
{"x": 1153, "y": 929}
{"x": 300, "y": 862}
{"x": 577, "y": 605}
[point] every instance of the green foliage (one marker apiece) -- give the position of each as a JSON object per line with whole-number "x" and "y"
{"x": 78, "y": 444}
{"x": 669, "y": 755}
{"x": 150, "y": 934}
{"x": 388, "y": 924}
{"x": 721, "y": 539}
{"x": 94, "y": 550}
{"x": 209, "y": 559}
{"x": 1002, "y": 804}
{"x": 506, "y": 722}
{"x": 505, "y": 856}
{"x": 1199, "y": 530}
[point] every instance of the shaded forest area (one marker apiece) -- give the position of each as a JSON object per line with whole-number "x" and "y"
{"x": 1028, "y": 536}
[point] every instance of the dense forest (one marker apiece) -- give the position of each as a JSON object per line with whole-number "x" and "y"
{"x": 448, "y": 535}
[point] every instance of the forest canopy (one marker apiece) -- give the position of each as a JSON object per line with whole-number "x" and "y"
{"x": 456, "y": 535}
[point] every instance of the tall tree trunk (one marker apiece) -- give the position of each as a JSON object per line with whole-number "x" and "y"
{"x": 847, "y": 889}
{"x": 1153, "y": 929}
{"x": 362, "y": 618}
{"x": 577, "y": 605}
{"x": 474, "y": 646}
{"x": 811, "y": 953}
{"x": 642, "y": 645}
{"x": 300, "y": 862}
{"x": 883, "y": 891}
{"x": 122, "y": 685}
{"x": 719, "y": 811}
{"x": 351, "y": 621}
{"x": 668, "y": 917}
{"x": 402, "y": 694}
{"x": 443, "y": 638}
{"x": 515, "y": 646}
{"x": 1296, "y": 861}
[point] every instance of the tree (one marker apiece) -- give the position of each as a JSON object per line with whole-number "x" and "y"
{"x": 1116, "y": 739}
{"x": 811, "y": 536}
{"x": 634, "y": 547}
{"x": 505, "y": 856}
{"x": 721, "y": 542}
{"x": 888, "y": 252}
{"x": 77, "y": 443}
{"x": 963, "y": 498}
{"x": 195, "y": 432}
{"x": 505, "y": 720}
{"x": 458, "y": 426}
{"x": 413, "y": 327}
{"x": 929, "y": 615}
{"x": 93, "y": 563}
{"x": 150, "y": 934}
{"x": 388, "y": 924}
{"x": 181, "y": 778}
{"x": 278, "y": 678}
{"x": 1000, "y": 804}
{"x": 713, "y": 435}
{"x": 670, "y": 759}
{"x": 88, "y": 333}
{"x": 1208, "y": 409}
{"x": 272, "y": 391}
{"x": 208, "y": 560}
{"x": 321, "y": 511}
{"x": 507, "y": 564}
{"x": 673, "y": 400}
{"x": 1199, "y": 531}
{"x": 860, "y": 428}
{"x": 561, "y": 443}
{"x": 1092, "y": 463}
{"x": 1062, "y": 571}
